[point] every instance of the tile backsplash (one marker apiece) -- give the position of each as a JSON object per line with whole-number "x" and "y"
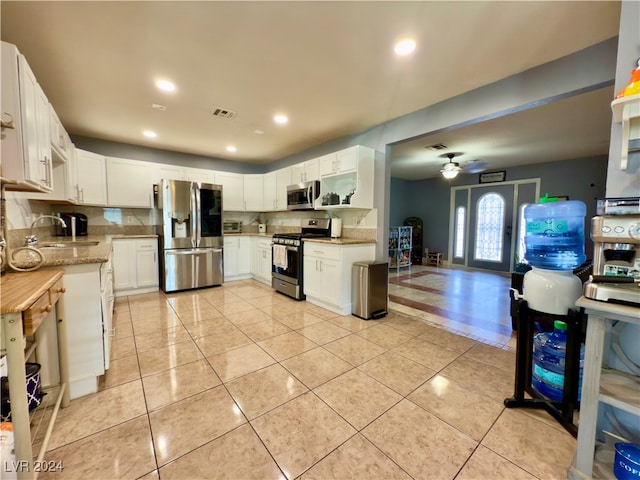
{"x": 20, "y": 212}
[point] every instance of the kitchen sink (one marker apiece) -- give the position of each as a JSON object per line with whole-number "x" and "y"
{"x": 70, "y": 244}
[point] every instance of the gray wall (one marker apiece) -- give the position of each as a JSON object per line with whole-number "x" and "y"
{"x": 622, "y": 183}
{"x": 582, "y": 179}
{"x": 147, "y": 154}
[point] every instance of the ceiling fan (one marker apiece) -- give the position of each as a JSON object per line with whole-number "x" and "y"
{"x": 451, "y": 169}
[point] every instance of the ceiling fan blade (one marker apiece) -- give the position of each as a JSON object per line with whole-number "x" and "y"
{"x": 474, "y": 167}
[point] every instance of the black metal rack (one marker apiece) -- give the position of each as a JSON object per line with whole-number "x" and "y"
{"x": 562, "y": 411}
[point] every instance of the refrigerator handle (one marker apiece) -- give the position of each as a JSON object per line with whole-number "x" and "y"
{"x": 198, "y": 215}
{"x": 194, "y": 215}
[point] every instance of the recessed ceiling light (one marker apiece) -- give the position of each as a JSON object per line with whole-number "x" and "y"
{"x": 405, "y": 47}
{"x": 165, "y": 85}
{"x": 258, "y": 131}
{"x": 149, "y": 134}
{"x": 231, "y": 148}
{"x": 280, "y": 119}
{"x": 157, "y": 106}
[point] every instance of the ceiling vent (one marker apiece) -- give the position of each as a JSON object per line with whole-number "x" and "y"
{"x": 436, "y": 147}
{"x": 223, "y": 113}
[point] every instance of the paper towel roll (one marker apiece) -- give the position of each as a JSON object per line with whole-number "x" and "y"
{"x": 336, "y": 227}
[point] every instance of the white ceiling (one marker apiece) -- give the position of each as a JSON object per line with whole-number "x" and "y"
{"x": 328, "y": 65}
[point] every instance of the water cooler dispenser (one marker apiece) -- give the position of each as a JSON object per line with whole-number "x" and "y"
{"x": 548, "y": 366}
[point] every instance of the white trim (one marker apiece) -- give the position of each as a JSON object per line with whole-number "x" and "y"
{"x": 452, "y": 213}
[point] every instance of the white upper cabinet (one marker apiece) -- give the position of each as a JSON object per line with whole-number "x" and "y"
{"x": 168, "y": 172}
{"x": 328, "y": 164}
{"x": 340, "y": 162}
{"x": 254, "y": 192}
{"x": 283, "y": 180}
{"x": 129, "y": 183}
{"x": 269, "y": 192}
{"x": 275, "y": 189}
{"x": 351, "y": 176}
{"x": 91, "y": 182}
{"x": 232, "y": 191}
{"x": 200, "y": 175}
{"x": 26, "y": 145}
{"x": 306, "y": 171}
{"x": 64, "y": 182}
{"x": 60, "y": 141}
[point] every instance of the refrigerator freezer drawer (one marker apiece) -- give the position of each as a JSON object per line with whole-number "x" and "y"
{"x": 192, "y": 268}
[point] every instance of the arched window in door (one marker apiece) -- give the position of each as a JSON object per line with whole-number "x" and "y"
{"x": 489, "y": 227}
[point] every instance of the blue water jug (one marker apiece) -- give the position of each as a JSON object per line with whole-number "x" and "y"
{"x": 549, "y": 353}
{"x": 554, "y": 233}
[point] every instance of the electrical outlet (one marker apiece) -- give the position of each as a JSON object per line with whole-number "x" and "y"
{"x": 130, "y": 219}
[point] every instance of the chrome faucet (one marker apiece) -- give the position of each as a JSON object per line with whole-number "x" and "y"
{"x": 31, "y": 240}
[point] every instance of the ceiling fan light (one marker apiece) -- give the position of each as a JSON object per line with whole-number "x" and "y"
{"x": 450, "y": 170}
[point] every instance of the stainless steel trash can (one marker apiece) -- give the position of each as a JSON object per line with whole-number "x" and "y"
{"x": 369, "y": 289}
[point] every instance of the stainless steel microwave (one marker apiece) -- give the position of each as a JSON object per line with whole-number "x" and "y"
{"x": 302, "y": 196}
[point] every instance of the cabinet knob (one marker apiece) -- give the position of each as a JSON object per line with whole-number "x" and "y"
{"x": 47, "y": 309}
{"x": 62, "y": 290}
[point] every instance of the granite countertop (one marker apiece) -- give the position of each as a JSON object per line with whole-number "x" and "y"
{"x": 341, "y": 241}
{"x": 82, "y": 254}
{"x": 249, "y": 234}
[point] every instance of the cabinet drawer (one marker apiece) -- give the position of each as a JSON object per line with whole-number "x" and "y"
{"x": 323, "y": 251}
{"x": 146, "y": 244}
{"x": 36, "y": 313}
{"x": 55, "y": 292}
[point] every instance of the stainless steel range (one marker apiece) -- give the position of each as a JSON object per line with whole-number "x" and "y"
{"x": 287, "y": 250}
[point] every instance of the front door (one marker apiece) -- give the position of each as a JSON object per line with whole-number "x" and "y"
{"x": 484, "y": 229}
{"x": 491, "y": 227}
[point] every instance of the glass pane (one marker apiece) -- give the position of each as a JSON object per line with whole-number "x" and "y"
{"x": 521, "y": 234}
{"x": 489, "y": 228}
{"x": 459, "y": 250}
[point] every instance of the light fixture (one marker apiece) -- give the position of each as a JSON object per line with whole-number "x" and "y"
{"x": 280, "y": 119}
{"x": 451, "y": 169}
{"x": 165, "y": 85}
{"x": 231, "y": 148}
{"x": 149, "y": 134}
{"x": 405, "y": 47}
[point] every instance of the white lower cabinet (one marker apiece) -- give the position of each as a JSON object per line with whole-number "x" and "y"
{"x": 237, "y": 257}
{"x": 261, "y": 260}
{"x": 135, "y": 266}
{"x": 327, "y": 273}
{"x": 86, "y": 310}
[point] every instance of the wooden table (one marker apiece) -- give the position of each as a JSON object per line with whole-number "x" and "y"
{"x": 26, "y": 300}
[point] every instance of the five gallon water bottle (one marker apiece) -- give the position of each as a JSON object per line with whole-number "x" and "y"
{"x": 554, "y": 233}
{"x": 549, "y": 352}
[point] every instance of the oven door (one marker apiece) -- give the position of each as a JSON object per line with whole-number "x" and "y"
{"x": 291, "y": 274}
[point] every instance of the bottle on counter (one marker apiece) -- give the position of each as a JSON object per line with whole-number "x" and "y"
{"x": 549, "y": 353}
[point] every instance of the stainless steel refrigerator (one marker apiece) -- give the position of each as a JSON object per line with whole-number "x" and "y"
{"x": 191, "y": 243}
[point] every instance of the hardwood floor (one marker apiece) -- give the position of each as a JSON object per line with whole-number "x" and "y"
{"x": 471, "y": 303}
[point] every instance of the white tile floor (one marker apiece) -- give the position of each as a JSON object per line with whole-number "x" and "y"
{"x": 240, "y": 382}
